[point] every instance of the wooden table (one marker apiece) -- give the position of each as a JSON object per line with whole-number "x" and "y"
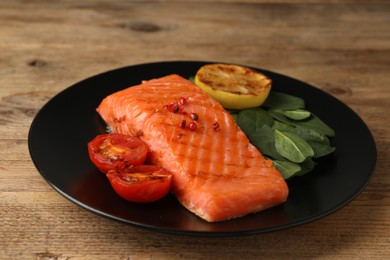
{"x": 342, "y": 47}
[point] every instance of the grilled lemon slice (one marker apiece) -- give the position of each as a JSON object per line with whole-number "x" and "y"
{"x": 235, "y": 87}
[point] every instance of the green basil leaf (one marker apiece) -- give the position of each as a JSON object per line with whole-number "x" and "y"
{"x": 278, "y": 100}
{"x": 282, "y": 126}
{"x": 286, "y": 132}
{"x": 316, "y": 124}
{"x": 281, "y": 118}
{"x": 313, "y": 122}
{"x": 306, "y": 167}
{"x": 319, "y": 142}
{"x": 296, "y": 114}
{"x": 264, "y": 140}
{"x": 292, "y": 147}
{"x": 251, "y": 120}
{"x": 286, "y": 168}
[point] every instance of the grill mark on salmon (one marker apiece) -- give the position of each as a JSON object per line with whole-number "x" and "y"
{"x": 217, "y": 173}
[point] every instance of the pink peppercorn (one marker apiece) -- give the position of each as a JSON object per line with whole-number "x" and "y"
{"x": 193, "y": 126}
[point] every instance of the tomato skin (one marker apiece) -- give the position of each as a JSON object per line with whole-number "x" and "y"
{"x": 141, "y": 183}
{"x": 116, "y": 151}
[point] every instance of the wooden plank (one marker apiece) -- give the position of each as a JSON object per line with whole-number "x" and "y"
{"x": 339, "y": 46}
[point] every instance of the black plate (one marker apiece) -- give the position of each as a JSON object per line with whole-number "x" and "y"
{"x": 60, "y": 132}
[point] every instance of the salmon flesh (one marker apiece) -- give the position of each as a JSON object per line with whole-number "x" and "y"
{"x": 216, "y": 173}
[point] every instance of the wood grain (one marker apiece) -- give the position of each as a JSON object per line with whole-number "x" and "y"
{"x": 342, "y": 47}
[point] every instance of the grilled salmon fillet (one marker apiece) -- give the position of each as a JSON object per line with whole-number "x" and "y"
{"x": 217, "y": 174}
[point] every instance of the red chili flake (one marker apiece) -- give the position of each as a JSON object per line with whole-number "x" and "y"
{"x": 216, "y": 127}
{"x": 193, "y": 126}
{"x": 194, "y": 116}
{"x": 183, "y": 124}
{"x": 182, "y": 101}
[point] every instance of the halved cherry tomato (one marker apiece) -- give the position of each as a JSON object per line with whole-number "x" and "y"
{"x": 116, "y": 151}
{"x": 141, "y": 183}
